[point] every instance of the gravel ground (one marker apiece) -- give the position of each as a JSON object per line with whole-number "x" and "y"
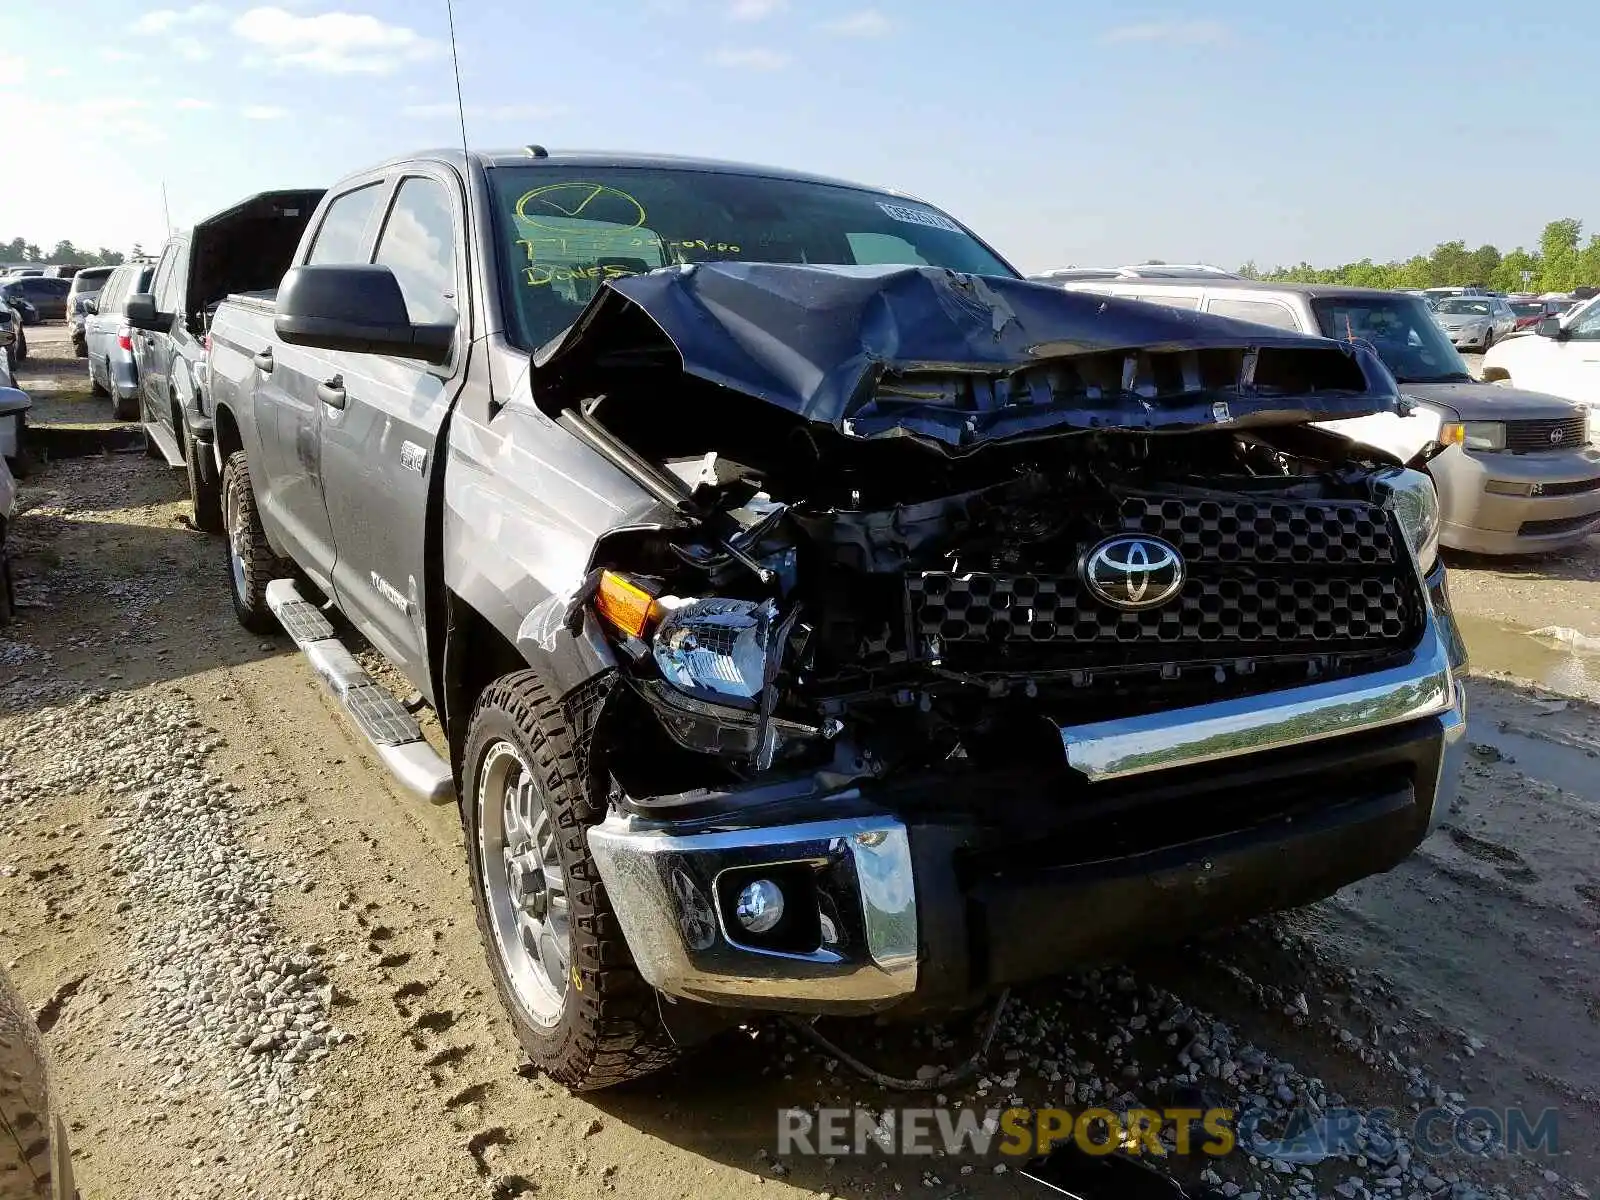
{"x": 256, "y": 965}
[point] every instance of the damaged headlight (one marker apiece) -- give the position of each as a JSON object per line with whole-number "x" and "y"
{"x": 716, "y": 649}
{"x": 1413, "y": 500}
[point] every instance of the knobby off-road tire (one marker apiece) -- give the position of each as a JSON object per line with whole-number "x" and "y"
{"x": 205, "y": 486}
{"x": 251, "y": 564}
{"x": 605, "y": 1027}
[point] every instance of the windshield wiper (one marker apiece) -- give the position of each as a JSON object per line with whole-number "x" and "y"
{"x": 1447, "y": 377}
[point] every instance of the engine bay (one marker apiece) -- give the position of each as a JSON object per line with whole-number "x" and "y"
{"x": 908, "y": 608}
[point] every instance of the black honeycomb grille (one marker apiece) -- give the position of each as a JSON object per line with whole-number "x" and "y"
{"x": 1263, "y": 578}
{"x": 1342, "y": 532}
{"x": 981, "y": 607}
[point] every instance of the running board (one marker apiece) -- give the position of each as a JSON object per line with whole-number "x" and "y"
{"x": 393, "y": 732}
{"x": 165, "y": 442}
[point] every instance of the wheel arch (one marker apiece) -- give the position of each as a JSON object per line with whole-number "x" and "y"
{"x": 229, "y": 438}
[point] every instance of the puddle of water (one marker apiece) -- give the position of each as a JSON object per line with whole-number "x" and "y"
{"x": 1509, "y": 649}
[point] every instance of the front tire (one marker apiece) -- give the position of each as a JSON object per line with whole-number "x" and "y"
{"x": 250, "y": 560}
{"x": 1488, "y": 340}
{"x": 559, "y": 960}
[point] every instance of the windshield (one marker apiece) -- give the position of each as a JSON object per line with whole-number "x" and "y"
{"x": 1457, "y": 304}
{"x": 88, "y": 285}
{"x": 563, "y": 231}
{"x": 1400, "y": 331}
{"x": 1528, "y": 308}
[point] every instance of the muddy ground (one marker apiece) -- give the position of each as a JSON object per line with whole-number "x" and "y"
{"x": 257, "y": 968}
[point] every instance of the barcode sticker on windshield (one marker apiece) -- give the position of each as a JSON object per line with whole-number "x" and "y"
{"x": 919, "y": 216}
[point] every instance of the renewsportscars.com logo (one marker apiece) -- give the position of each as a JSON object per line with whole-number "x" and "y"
{"x": 1305, "y": 1137}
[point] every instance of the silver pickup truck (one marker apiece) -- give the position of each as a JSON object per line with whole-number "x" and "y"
{"x": 820, "y": 617}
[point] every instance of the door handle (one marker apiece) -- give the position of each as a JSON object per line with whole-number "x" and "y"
{"x": 263, "y": 361}
{"x": 331, "y": 391}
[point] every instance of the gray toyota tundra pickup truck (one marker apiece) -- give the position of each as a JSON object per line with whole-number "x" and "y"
{"x": 820, "y": 617}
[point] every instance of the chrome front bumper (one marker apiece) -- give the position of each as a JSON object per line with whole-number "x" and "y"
{"x": 669, "y": 894}
{"x": 671, "y": 890}
{"x": 1424, "y": 687}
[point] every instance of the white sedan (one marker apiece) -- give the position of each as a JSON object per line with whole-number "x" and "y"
{"x": 1562, "y": 359}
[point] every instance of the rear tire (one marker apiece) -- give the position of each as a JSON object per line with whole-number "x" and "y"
{"x": 126, "y": 409}
{"x": 205, "y": 487}
{"x": 250, "y": 562}
{"x": 96, "y": 388}
{"x": 525, "y": 802}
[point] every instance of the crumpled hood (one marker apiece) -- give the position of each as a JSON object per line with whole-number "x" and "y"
{"x": 1477, "y": 401}
{"x": 954, "y": 359}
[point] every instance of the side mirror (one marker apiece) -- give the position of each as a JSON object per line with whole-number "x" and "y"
{"x": 1550, "y": 327}
{"x": 358, "y": 309}
{"x": 89, "y": 305}
{"x": 141, "y": 312}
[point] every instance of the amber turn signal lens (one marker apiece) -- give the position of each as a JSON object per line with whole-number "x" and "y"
{"x": 1452, "y": 434}
{"x": 625, "y": 606}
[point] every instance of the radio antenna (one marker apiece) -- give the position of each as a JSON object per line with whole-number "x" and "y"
{"x": 464, "y": 303}
{"x": 455, "y": 62}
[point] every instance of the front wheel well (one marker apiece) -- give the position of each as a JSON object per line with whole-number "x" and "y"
{"x": 475, "y": 655}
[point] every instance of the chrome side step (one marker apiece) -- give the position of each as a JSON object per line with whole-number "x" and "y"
{"x": 393, "y": 732}
{"x": 166, "y": 443}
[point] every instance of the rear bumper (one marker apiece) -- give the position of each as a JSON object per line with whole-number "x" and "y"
{"x": 1518, "y": 503}
{"x": 927, "y": 892}
{"x": 124, "y": 373}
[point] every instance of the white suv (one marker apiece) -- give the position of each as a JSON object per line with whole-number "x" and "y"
{"x": 1562, "y": 357}
{"x": 1518, "y": 474}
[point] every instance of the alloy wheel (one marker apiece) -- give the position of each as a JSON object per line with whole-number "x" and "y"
{"x": 524, "y": 884}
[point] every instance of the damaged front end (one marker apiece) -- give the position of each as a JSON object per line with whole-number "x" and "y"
{"x": 961, "y": 562}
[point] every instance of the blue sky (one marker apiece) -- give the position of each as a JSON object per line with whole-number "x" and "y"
{"x": 1064, "y": 132}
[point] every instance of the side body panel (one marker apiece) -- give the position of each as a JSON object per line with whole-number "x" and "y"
{"x": 239, "y": 330}
{"x": 524, "y": 505}
{"x": 382, "y": 417}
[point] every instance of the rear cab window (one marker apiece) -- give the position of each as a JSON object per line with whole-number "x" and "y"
{"x": 163, "y": 273}
{"x": 170, "y": 291}
{"x": 342, "y": 236}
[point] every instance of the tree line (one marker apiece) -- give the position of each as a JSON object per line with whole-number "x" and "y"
{"x": 19, "y": 250}
{"x": 1559, "y": 264}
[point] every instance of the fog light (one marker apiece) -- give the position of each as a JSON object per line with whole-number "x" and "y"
{"x": 760, "y": 906}
{"x": 1505, "y": 487}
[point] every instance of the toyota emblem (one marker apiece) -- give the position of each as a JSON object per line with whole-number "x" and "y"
{"x": 1132, "y": 572}
{"x": 1557, "y": 435}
